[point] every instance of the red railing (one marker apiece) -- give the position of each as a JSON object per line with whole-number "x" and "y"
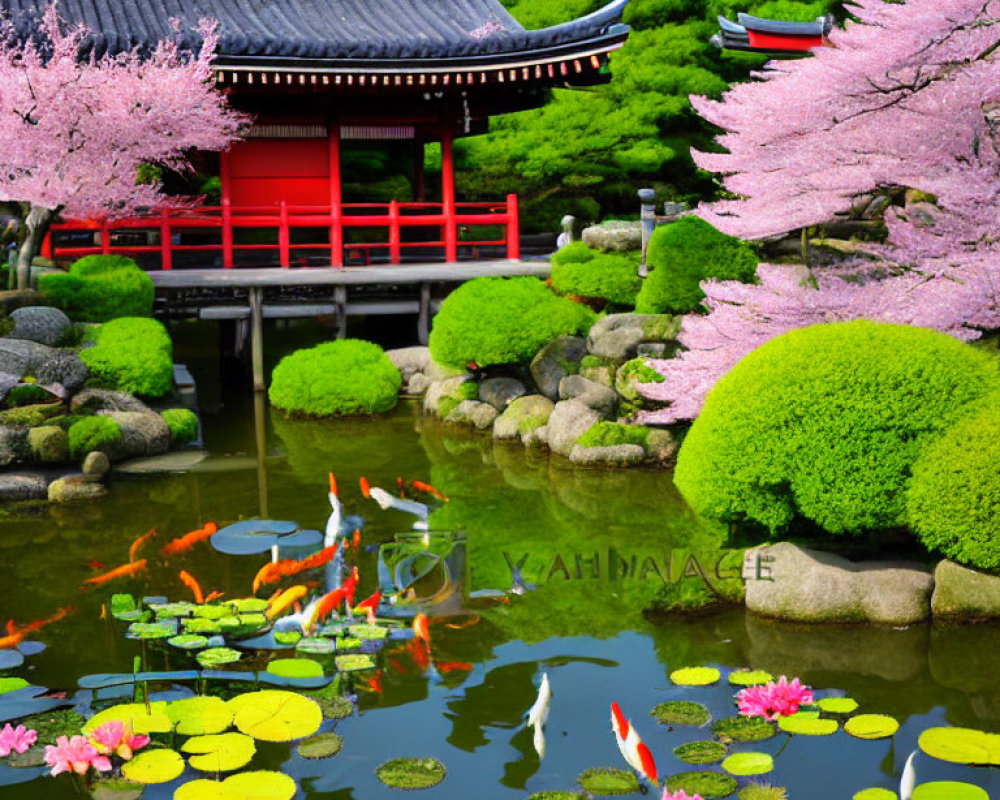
{"x": 166, "y": 231}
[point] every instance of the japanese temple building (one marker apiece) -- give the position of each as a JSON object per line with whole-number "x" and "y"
{"x": 318, "y": 74}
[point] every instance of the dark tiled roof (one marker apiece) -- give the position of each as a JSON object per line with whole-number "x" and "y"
{"x": 320, "y": 30}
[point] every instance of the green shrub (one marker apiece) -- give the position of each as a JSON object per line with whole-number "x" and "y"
{"x": 502, "y": 321}
{"x": 349, "y": 376}
{"x": 954, "y": 497}
{"x": 826, "y": 422}
{"x": 183, "y": 424}
{"x": 26, "y": 394}
{"x": 93, "y": 433}
{"x": 608, "y": 434}
{"x": 100, "y": 288}
{"x": 132, "y": 354}
{"x": 681, "y": 255}
{"x": 611, "y": 276}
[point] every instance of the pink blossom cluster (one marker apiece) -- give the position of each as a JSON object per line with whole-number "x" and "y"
{"x": 17, "y": 739}
{"x": 779, "y": 698}
{"x": 115, "y": 738}
{"x": 486, "y": 30}
{"x": 680, "y": 794}
{"x": 75, "y": 754}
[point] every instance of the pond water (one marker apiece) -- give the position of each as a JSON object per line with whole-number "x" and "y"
{"x": 597, "y": 544}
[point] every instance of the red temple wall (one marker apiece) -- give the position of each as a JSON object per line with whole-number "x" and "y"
{"x": 267, "y": 171}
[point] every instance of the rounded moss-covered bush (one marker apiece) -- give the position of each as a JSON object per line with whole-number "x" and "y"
{"x": 183, "y": 424}
{"x": 953, "y": 501}
{"x": 578, "y": 270}
{"x": 100, "y": 288}
{"x": 133, "y": 354}
{"x": 826, "y": 422}
{"x": 683, "y": 254}
{"x": 502, "y": 321}
{"x": 93, "y": 433}
{"x": 348, "y": 376}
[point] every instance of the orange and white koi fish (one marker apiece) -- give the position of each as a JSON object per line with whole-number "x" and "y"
{"x": 188, "y": 540}
{"x": 139, "y": 543}
{"x": 18, "y": 633}
{"x": 124, "y": 571}
{"x": 420, "y": 486}
{"x": 631, "y": 746}
{"x": 188, "y": 580}
{"x": 368, "y": 605}
{"x": 274, "y": 571}
{"x": 333, "y": 485}
{"x": 283, "y": 601}
{"x": 330, "y": 602}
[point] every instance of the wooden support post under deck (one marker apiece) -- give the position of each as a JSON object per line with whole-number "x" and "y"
{"x": 448, "y": 194}
{"x": 424, "y": 314}
{"x": 257, "y": 337}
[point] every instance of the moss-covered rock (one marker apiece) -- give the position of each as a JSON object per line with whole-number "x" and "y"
{"x": 93, "y": 433}
{"x": 631, "y": 373}
{"x": 49, "y": 444}
{"x": 961, "y": 593}
{"x": 347, "y": 376}
{"x": 522, "y": 416}
{"x": 183, "y": 425}
{"x": 472, "y": 412}
{"x": 30, "y": 416}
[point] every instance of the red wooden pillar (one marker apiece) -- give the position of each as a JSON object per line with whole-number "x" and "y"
{"x": 166, "y": 253}
{"x": 227, "y": 211}
{"x": 336, "y": 218}
{"x": 394, "y": 238}
{"x": 47, "y": 247}
{"x": 105, "y": 237}
{"x": 448, "y": 194}
{"x": 513, "y": 229}
{"x": 283, "y": 236}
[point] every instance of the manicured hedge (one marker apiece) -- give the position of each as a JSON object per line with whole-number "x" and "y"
{"x": 954, "y": 497}
{"x": 348, "y": 376}
{"x": 578, "y": 270}
{"x": 100, "y": 288}
{"x": 826, "y": 422}
{"x": 133, "y": 354}
{"x": 183, "y": 424}
{"x": 683, "y": 254}
{"x": 502, "y": 321}
{"x": 93, "y": 433}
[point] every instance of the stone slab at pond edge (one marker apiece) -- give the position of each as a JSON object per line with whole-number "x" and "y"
{"x": 811, "y": 586}
{"x": 961, "y": 593}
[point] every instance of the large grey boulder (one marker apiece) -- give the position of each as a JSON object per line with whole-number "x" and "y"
{"x": 603, "y": 399}
{"x": 812, "y": 586}
{"x": 417, "y": 384}
{"x": 522, "y": 416}
{"x": 143, "y": 434}
{"x": 409, "y": 360}
{"x": 91, "y": 401}
{"x": 472, "y": 412}
{"x": 95, "y": 465}
{"x": 47, "y": 365}
{"x": 556, "y": 360}
{"x": 443, "y": 395}
{"x": 661, "y": 447}
{"x": 42, "y": 324}
{"x": 614, "y": 235}
{"x": 18, "y": 486}
{"x": 618, "y": 336}
{"x": 501, "y": 392}
{"x": 961, "y": 593}
{"x": 615, "y": 455}
{"x": 569, "y": 420}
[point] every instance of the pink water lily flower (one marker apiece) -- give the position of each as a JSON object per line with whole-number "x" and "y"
{"x": 779, "y": 698}
{"x": 117, "y": 738}
{"x": 680, "y": 794}
{"x": 18, "y": 739}
{"x": 75, "y": 755}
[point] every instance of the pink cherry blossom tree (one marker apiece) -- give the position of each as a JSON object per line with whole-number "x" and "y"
{"x": 75, "y": 127}
{"x": 908, "y": 95}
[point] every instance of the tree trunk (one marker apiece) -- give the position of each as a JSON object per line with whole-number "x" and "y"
{"x": 36, "y": 225}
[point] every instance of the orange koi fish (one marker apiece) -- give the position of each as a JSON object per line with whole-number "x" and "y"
{"x": 475, "y": 619}
{"x": 356, "y": 539}
{"x": 188, "y": 540}
{"x": 139, "y": 543}
{"x": 421, "y": 628}
{"x": 350, "y": 587}
{"x": 17, "y": 633}
{"x": 283, "y": 601}
{"x": 366, "y": 488}
{"x": 375, "y": 684}
{"x": 402, "y": 488}
{"x": 124, "y": 571}
{"x": 213, "y": 596}
{"x": 329, "y": 602}
{"x": 420, "y": 652}
{"x": 333, "y": 485}
{"x": 420, "y": 486}
{"x": 95, "y": 565}
{"x": 188, "y": 580}
{"x": 397, "y": 665}
{"x": 451, "y": 666}
{"x": 369, "y": 605}
{"x": 273, "y": 572}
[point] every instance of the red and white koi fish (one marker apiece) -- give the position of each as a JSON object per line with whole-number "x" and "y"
{"x": 336, "y": 513}
{"x": 631, "y": 746}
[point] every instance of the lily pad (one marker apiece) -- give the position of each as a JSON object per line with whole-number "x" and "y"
{"x": 170, "y": 610}
{"x": 411, "y": 773}
{"x": 196, "y": 716}
{"x": 368, "y": 632}
{"x": 354, "y": 663}
{"x": 875, "y": 793}
{"x": 749, "y": 677}
{"x": 608, "y": 781}
{"x": 31, "y": 648}
{"x": 211, "y": 611}
{"x": 221, "y": 752}
{"x": 134, "y": 615}
{"x": 708, "y": 784}
{"x": 152, "y": 630}
{"x": 871, "y": 726}
{"x": 116, "y": 789}
{"x": 808, "y": 723}
{"x": 276, "y": 716}
{"x": 301, "y": 540}
{"x": 287, "y": 638}
{"x": 154, "y": 766}
{"x": 218, "y": 657}
{"x": 295, "y": 668}
{"x": 199, "y": 626}
{"x": 681, "y": 712}
{"x": 743, "y": 729}
{"x": 961, "y": 745}
{"x": 259, "y": 785}
{"x": 949, "y": 790}
{"x": 251, "y": 536}
{"x": 348, "y": 643}
{"x": 838, "y": 705}
{"x": 249, "y": 605}
{"x": 748, "y": 764}
{"x": 202, "y": 789}
{"x": 121, "y": 603}
{"x": 701, "y": 752}
{"x": 188, "y": 641}
{"x": 135, "y": 716}
{"x": 316, "y": 645}
{"x": 334, "y": 707}
{"x": 10, "y": 684}
{"x": 695, "y": 676}
{"x": 322, "y": 745}
{"x": 11, "y": 659}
